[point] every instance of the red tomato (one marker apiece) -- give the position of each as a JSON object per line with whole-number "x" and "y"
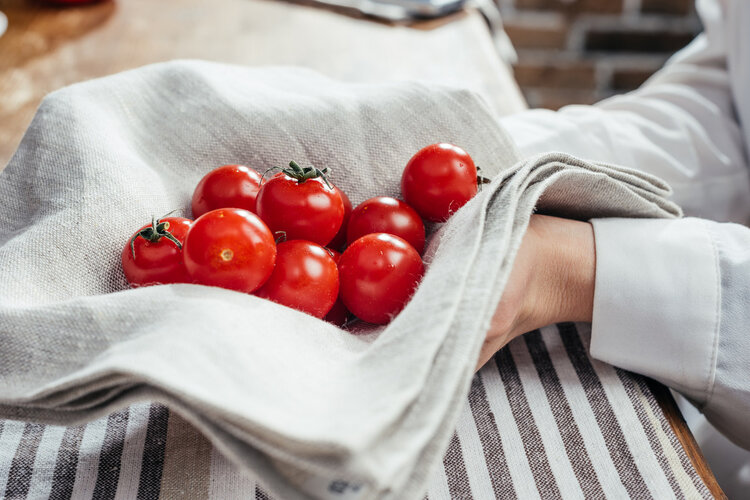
{"x": 305, "y": 278}
{"x": 301, "y": 204}
{"x": 339, "y": 241}
{"x": 339, "y": 314}
{"x": 378, "y": 274}
{"x": 439, "y": 180}
{"x": 231, "y": 248}
{"x": 230, "y": 186}
{"x": 151, "y": 256}
{"x": 335, "y": 254}
{"x": 384, "y": 214}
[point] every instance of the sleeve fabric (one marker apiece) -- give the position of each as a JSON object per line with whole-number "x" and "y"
{"x": 681, "y": 125}
{"x": 671, "y": 302}
{"x": 672, "y": 297}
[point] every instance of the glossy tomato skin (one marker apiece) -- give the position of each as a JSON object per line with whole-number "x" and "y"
{"x": 228, "y": 186}
{"x": 157, "y": 262}
{"x": 339, "y": 241}
{"x": 305, "y": 278}
{"x": 378, "y": 274}
{"x": 304, "y": 211}
{"x": 230, "y": 248}
{"x": 384, "y": 214}
{"x": 339, "y": 314}
{"x": 439, "y": 180}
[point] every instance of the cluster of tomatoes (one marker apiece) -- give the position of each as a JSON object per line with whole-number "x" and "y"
{"x": 280, "y": 238}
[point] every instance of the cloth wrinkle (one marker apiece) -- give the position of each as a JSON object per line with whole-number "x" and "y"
{"x": 212, "y": 355}
{"x": 711, "y": 378}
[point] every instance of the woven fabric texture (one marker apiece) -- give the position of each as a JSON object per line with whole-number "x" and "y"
{"x": 300, "y": 403}
{"x": 542, "y": 420}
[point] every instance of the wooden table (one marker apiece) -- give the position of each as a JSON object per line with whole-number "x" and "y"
{"x": 46, "y": 48}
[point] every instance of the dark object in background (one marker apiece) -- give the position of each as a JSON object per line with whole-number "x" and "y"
{"x": 399, "y": 10}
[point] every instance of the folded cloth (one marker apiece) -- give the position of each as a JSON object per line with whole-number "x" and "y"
{"x": 301, "y": 402}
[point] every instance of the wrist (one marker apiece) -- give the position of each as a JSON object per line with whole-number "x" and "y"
{"x": 561, "y": 284}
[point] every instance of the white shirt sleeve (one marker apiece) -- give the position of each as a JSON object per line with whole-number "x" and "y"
{"x": 672, "y": 301}
{"x": 681, "y": 125}
{"x": 672, "y": 297}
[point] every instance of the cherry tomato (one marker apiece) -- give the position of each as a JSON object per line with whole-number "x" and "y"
{"x": 384, "y": 214}
{"x": 230, "y": 186}
{"x": 153, "y": 254}
{"x": 378, "y": 274}
{"x": 339, "y": 314}
{"x": 335, "y": 254}
{"x": 439, "y": 180}
{"x": 230, "y": 248}
{"x": 339, "y": 241}
{"x": 305, "y": 278}
{"x": 301, "y": 204}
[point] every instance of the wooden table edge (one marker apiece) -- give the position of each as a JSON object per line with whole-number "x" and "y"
{"x": 676, "y": 421}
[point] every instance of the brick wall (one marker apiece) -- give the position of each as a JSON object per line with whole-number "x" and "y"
{"x": 581, "y": 51}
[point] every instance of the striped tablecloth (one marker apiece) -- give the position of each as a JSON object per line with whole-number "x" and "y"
{"x": 542, "y": 420}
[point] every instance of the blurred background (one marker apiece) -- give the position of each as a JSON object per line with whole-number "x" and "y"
{"x": 569, "y": 51}
{"x": 581, "y": 51}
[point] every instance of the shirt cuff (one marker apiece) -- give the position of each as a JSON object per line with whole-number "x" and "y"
{"x": 657, "y": 300}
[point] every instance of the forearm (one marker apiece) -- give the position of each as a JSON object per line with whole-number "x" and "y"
{"x": 552, "y": 281}
{"x": 562, "y": 282}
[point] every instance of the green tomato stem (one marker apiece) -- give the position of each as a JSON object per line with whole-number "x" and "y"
{"x": 154, "y": 233}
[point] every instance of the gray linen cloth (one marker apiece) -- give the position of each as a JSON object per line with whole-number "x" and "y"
{"x": 302, "y": 403}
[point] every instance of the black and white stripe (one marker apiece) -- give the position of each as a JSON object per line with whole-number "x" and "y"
{"x": 22, "y": 466}
{"x": 671, "y": 437}
{"x": 67, "y": 464}
{"x": 99, "y": 460}
{"x": 536, "y": 453}
{"x": 549, "y": 372}
{"x": 492, "y": 444}
{"x": 603, "y": 411}
{"x": 133, "y": 451}
{"x": 153, "y": 454}
{"x": 543, "y": 420}
{"x": 594, "y": 440}
{"x": 10, "y": 439}
{"x": 45, "y": 463}
{"x": 674, "y": 463}
{"x": 260, "y": 494}
{"x": 575, "y": 447}
{"x": 110, "y": 456}
{"x": 633, "y": 430}
{"x": 455, "y": 471}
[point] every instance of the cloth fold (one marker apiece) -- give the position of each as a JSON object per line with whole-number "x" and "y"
{"x": 301, "y": 402}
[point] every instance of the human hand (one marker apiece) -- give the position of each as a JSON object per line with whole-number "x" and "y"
{"x": 552, "y": 281}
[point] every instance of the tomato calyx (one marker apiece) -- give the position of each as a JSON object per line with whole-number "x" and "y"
{"x": 301, "y": 174}
{"x": 154, "y": 233}
{"x": 482, "y": 179}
